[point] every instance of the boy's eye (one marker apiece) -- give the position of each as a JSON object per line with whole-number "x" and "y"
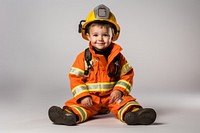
{"x": 95, "y": 35}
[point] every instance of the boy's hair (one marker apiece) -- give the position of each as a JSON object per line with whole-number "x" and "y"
{"x": 101, "y": 23}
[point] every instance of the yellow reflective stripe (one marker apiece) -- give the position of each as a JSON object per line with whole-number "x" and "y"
{"x": 125, "y": 107}
{"x": 125, "y": 69}
{"x": 76, "y": 71}
{"x": 104, "y": 86}
{"x": 81, "y": 111}
{"x": 99, "y": 87}
{"x": 91, "y": 87}
{"x": 124, "y": 84}
{"x": 79, "y": 89}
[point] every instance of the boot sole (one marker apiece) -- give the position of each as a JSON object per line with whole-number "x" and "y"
{"x": 142, "y": 117}
{"x": 57, "y": 116}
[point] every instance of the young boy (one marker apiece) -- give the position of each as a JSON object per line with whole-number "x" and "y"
{"x": 101, "y": 78}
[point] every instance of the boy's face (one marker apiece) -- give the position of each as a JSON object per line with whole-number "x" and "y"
{"x": 100, "y": 37}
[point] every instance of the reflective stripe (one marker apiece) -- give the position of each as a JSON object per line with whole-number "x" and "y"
{"x": 124, "y": 84}
{"x": 125, "y": 69}
{"x": 91, "y": 87}
{"x": 81, "y": 111}
{"x": 125, "y": 107}
{"x": 79, "y": 89}
{"x": 76, "y": 71}
{"x": 105, "y": 86}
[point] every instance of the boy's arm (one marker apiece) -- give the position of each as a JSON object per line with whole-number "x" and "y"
{"x": 125, "y": 81}
{"x": 76, "y": 77}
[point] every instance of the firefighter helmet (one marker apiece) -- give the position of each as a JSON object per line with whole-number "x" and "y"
{"x": 100, "y": 13}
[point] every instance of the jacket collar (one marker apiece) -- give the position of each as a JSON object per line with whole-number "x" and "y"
{"x": 116, "y": 49}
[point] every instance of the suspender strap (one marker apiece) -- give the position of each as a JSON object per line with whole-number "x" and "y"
{"x": 88, "y": 57}
{"x": 116, "y": 61}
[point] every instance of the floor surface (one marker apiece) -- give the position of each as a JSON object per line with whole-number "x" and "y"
{"x": 176, "y": 113}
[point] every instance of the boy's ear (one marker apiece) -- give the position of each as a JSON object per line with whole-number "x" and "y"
{"x": 113, "y": 36}
{"x": 88, "y": 36}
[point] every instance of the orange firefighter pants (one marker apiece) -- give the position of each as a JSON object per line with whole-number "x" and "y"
{"x": 118, "y": 108}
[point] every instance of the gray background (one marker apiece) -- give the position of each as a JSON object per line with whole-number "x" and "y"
{"x": 39, "y": 42}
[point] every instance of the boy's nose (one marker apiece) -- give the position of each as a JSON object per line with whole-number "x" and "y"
{"x": 100, "y": 38}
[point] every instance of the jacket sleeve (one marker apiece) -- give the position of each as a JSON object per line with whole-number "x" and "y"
{"x": 125, "y": 82}
{"x": 76, "y": 77}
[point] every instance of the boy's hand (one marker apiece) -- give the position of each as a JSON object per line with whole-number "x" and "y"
{"x": 87, "y": 102}
{"x": 115, "y": 96}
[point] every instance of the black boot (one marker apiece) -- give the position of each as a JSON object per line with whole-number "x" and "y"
{"x": 141, "y": 117}
{"x": 61, "y": 117}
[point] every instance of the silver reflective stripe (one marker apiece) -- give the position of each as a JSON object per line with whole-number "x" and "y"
{"x": 124, "y": 84}
{"x": 79, "y": 89}
{"x": 105, "y": 86}
{"x": 125, "y": 69}
{"x": 76, "y": 71}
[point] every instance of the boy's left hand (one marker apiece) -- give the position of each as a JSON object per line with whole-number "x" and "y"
{"x": 115, "y": 96}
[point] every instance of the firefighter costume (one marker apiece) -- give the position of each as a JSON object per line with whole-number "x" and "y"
{"x": 104, "y": 75}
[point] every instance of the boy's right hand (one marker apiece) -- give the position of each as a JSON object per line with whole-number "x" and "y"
{"x": 87, "y": 102}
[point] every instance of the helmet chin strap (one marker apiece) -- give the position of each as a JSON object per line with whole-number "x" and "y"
{"x": 80, "y": 26}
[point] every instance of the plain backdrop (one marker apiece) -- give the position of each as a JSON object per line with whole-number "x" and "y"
{"x": 39, "y": 41}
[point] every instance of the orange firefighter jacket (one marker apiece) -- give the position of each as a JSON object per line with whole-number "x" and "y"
{"x": 98, "y": 82}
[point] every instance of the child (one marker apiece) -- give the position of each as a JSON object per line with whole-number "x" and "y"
{"x": 101, "y": 78}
